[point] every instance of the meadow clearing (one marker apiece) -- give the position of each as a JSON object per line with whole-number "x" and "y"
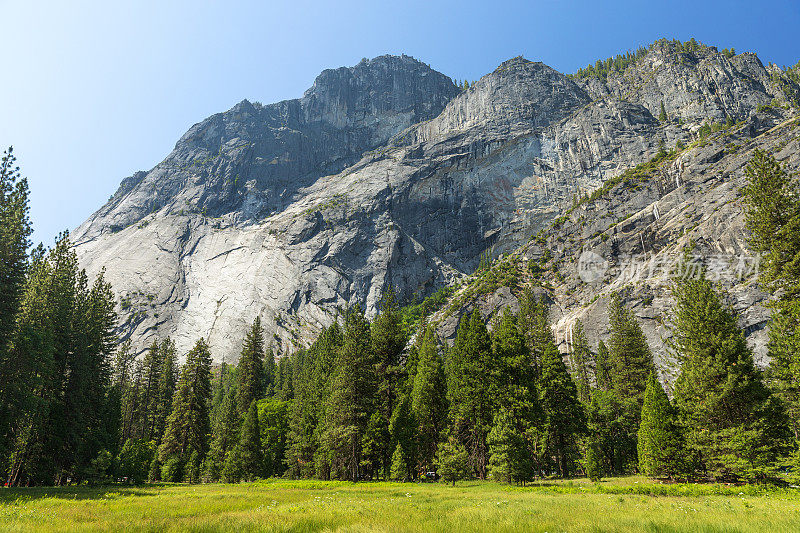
{"x": 624, "y": 504}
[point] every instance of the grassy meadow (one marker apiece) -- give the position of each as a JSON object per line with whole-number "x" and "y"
{"x": 627, "y": 504}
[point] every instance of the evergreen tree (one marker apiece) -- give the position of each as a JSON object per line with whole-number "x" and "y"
{"x": 662, "y": 116}
{"x": 306, "y": 421}
{"x": 453, "y": 461}
{"x": 388, "y": 341}
{"x": 609, "y": 433}
{"x": 603, "y": 368}
{"x": 168, "y": 379}
{"x": 269, "y": 373}
{"x": 470, "y": 387}
{"x": 15, "y": 228}
{"x": 630, "y": 362}
{"x": 629, "y": 355}
{"x": 581, "y": 359}
{"x": 374, "y": 444}
{"x": 250, "y": 370}
{"x": 192, "y": 471}
{"x": 251, "y": 457}
{"x": 565, "y": 419}
{"x": 188, "y": 425}
{"x": 733, "y": 425}
{"x": 226, "y": 436}
{"x": 772, "y": 215}
{"x": 149, "y": 401}
{"x": 399, "y": 470}
{"x": 429, "y": 397}
{"x": 351, "y": 399}
{"x": 509, "y": 456}
{"x": 515, "y": 389}
{"x": 592, "y": 463}
{"x": 134, "y": 460}
{"x": 68, "y": 334}
{"x": 402, "y": 428}
{"x": 660, "y": 444}
{"x": 534, "y": 323}
{"x": 232, "y": 469}
{"x": 273, "y": 421}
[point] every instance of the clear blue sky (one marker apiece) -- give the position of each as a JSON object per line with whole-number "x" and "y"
{"x": 93, "y": 91}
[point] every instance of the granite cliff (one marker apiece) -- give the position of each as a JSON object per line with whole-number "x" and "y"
{"x": 387, "y": 174}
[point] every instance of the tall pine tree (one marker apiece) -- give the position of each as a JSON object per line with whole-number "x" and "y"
{"x": 429, "y": 397}
{"x": 660, "y": 444}
{"x": 188, "y": 425}
{"x": 251, "y": 368}
{"x": 471, "y": 368}
{"x": 733, "y": 426}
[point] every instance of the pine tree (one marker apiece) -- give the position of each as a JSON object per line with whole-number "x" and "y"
{"x": 453, "y": 461}
{"x": 15, "y": 228}
{"x": 630, "y": 362}
{"x": 147, "y": 417}
{"x": 351, "y": 400}
{"x": 232, "y": 469}
{"x": 189, "y": 422}
{"x": 226, "y": 436}
{"x": 388, "y": 340}
{"x": 273, "y": 421}
{"x": 592, "y": 462}
{"x": 733, "y": 425}
{"x": 772, "y": 215}
{"x": 306, "y": 422}
{"x": 402, "y": 427}
{"x": 660, "y": 444}
{"x": 515, "y": 390}
{"x": 509, "y": 456}
{"x": 250, "y": 370}
{"x": 269, "y": 373}
{"x": 399, "y": 470}
{"x": 429, "y": 397}
{"x": 629, "y": 355}
{"x": 166, "y": 387}
{"x": 662, "y": 116}
{"x": 374, "y": 444}
{"x": 533, "y": 321}
{"x": 581, "y": 359}
{"x": 68, "y": 334}
{"x": 27, "y": 382}
{"x": 565, "y": 419}
{"x": 603, "y": 368}
{"x": 251, "y": 457}
{"x": 471, "y": 368}
{"x": 192, "y": 471}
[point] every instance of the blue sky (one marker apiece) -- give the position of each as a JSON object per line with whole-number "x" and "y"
{"x": 93, "y": 91}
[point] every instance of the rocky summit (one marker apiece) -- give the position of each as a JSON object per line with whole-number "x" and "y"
{"x": 387, "y": 174}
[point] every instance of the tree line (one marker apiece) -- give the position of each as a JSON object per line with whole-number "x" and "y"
{"x": 370, "y": 399}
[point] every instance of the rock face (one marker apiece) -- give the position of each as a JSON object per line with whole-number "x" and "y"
{"x": 386, "y": 174}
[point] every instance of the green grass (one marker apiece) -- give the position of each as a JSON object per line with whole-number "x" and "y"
{"x": 625, "y": 504}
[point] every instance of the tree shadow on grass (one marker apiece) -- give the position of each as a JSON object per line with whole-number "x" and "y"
{"x": 101, "y": 492}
